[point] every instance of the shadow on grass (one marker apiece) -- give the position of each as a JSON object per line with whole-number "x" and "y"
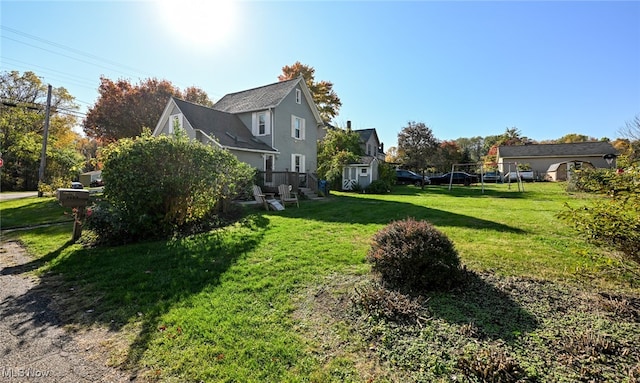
{"x": 137, "y": 283}
{"x": 379, "y": 211}
{"x": 490, "y": 190}
{"x": 32, "y": 212}
{"x": 35, "y": 263}
{"x": 483, "y": 310}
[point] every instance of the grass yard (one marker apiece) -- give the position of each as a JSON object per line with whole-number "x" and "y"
{"x": 277, "y": 297}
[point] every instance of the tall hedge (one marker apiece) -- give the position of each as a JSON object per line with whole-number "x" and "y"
{"x": 158, "y": 184}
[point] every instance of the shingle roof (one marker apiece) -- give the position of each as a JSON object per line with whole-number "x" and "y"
{"x": 558, "y": 150}
{"x": 365, "y": 134}
{"x": 226, "y": 128}
{"x": 264, "y": 97}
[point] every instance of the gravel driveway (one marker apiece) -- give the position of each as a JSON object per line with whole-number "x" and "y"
{"x": 35, "y": 346}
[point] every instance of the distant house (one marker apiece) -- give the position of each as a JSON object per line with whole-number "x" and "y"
{"x": 88, "y": 178}
{"x": 560, "y": 171}
{"x": 274, "y": 128}
{"x": 541, "y": 156}
{"x": 365, "y": 170}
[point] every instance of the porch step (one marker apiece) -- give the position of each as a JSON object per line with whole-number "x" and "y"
{"x": 309, "y": 194}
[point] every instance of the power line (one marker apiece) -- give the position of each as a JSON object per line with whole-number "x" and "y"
{"x": 76, "y": 52}
{"x": 9, "y": 103}
{"x": 64, "y": 55}
{"x": 83, "y": 81}
{"x": 73, "y": 50}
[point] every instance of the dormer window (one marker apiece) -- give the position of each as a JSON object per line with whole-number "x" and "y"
{"x": 261, "y": 123}
{"x": 298, "y": 96}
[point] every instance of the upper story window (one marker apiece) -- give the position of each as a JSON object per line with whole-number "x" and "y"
{"x": 175, "y": 123}
{"x": 369, "y": 150}
{"x": 298, "y": 96}
{"x": 297, "y": 127}
{"x": 261, "y": 123}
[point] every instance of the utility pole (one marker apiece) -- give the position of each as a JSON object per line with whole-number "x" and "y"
{"x": 43, "y": 157}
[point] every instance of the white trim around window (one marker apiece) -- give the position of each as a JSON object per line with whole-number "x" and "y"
{"x": 298, "y": 96}
{"x": 297, "y": 127}
{"x": 298, "y": 163}
{"x": 261, "y": 123}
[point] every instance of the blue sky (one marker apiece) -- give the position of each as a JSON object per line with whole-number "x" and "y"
{"x": 465, "y": 69}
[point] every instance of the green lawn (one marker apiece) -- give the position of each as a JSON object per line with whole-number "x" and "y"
{"x": 225, "y": 306}
{"x": 31, "y": 211}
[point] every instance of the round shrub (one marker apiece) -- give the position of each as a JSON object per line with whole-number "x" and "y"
{"x": 414, "y": 254}
{"x": 155, "y": 186}
{"x": 377, "y": 187}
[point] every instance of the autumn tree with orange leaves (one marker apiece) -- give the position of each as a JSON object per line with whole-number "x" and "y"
{"x": 124, "y": 109}
{"x": 324, "y": 96}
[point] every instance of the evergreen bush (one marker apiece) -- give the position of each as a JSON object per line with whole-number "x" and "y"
{"x": 414, "y": 254}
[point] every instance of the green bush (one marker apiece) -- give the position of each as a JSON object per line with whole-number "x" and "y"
{"x": 612, "y": 221}
{"x": 356, "y": 188}
{"x": 155, "y": 186}
{"x": 377, "y": 187}
{"x": 414, "y": 254}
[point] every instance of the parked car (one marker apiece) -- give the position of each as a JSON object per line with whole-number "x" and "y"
{"x": 525, "y": 175}
{"x": 491, "y": 177}
{"x": 77, "y": 185}
{"x": 458, "y": 178}
{"x": 96, "y": 183}
{"x": 409, "y": 177}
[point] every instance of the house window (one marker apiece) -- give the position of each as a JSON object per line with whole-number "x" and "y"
{"x": 297, "y": 127}
{"x": 175, "y": 123}
{"x": 369, "y": 149}
{"x": 297, "y": 163}
{"x": 364, "y": 172}
{"x": 298, "y": 96}
{"x": 261, "y": 124}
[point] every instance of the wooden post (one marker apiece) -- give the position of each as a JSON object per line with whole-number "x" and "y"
{"x": 77, "y": 223}
{"x": 43, "y": 157}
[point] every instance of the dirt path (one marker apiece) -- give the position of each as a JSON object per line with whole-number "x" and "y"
{"x": 35, "y": 345}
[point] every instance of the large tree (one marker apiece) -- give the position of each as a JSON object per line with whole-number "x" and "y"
{"x": 474, "y": 146}
{"x": 324, "y": 96}
{"x": 123, "y": 109}
{"x": 447, "y": 154}
{"x": 418, "y": 146}
{"x": 22, "y": 120}
{"x": 337, "y": 149}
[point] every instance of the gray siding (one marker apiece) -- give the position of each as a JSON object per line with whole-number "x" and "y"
{"x": 253, "y": 159}
{"x": 285, "y": 143}
{"x": 166, "y": 123}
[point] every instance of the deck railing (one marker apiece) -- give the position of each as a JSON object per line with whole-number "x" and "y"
{"x": 270, "y": 180}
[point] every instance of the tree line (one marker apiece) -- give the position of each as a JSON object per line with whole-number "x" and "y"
{"x": 124, "y": 109}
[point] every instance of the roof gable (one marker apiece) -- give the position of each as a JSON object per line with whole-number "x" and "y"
{"x": 225, "y": 128}
{"x": 557, "y": 150}
{"x": 265, "y": 97}
{"x": 365, "y": 134}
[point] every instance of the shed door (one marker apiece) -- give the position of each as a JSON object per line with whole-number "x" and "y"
{"x": 349, "y": 178}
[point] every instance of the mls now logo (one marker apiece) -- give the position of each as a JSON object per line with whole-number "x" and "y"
{"x": 23, "y": 373}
